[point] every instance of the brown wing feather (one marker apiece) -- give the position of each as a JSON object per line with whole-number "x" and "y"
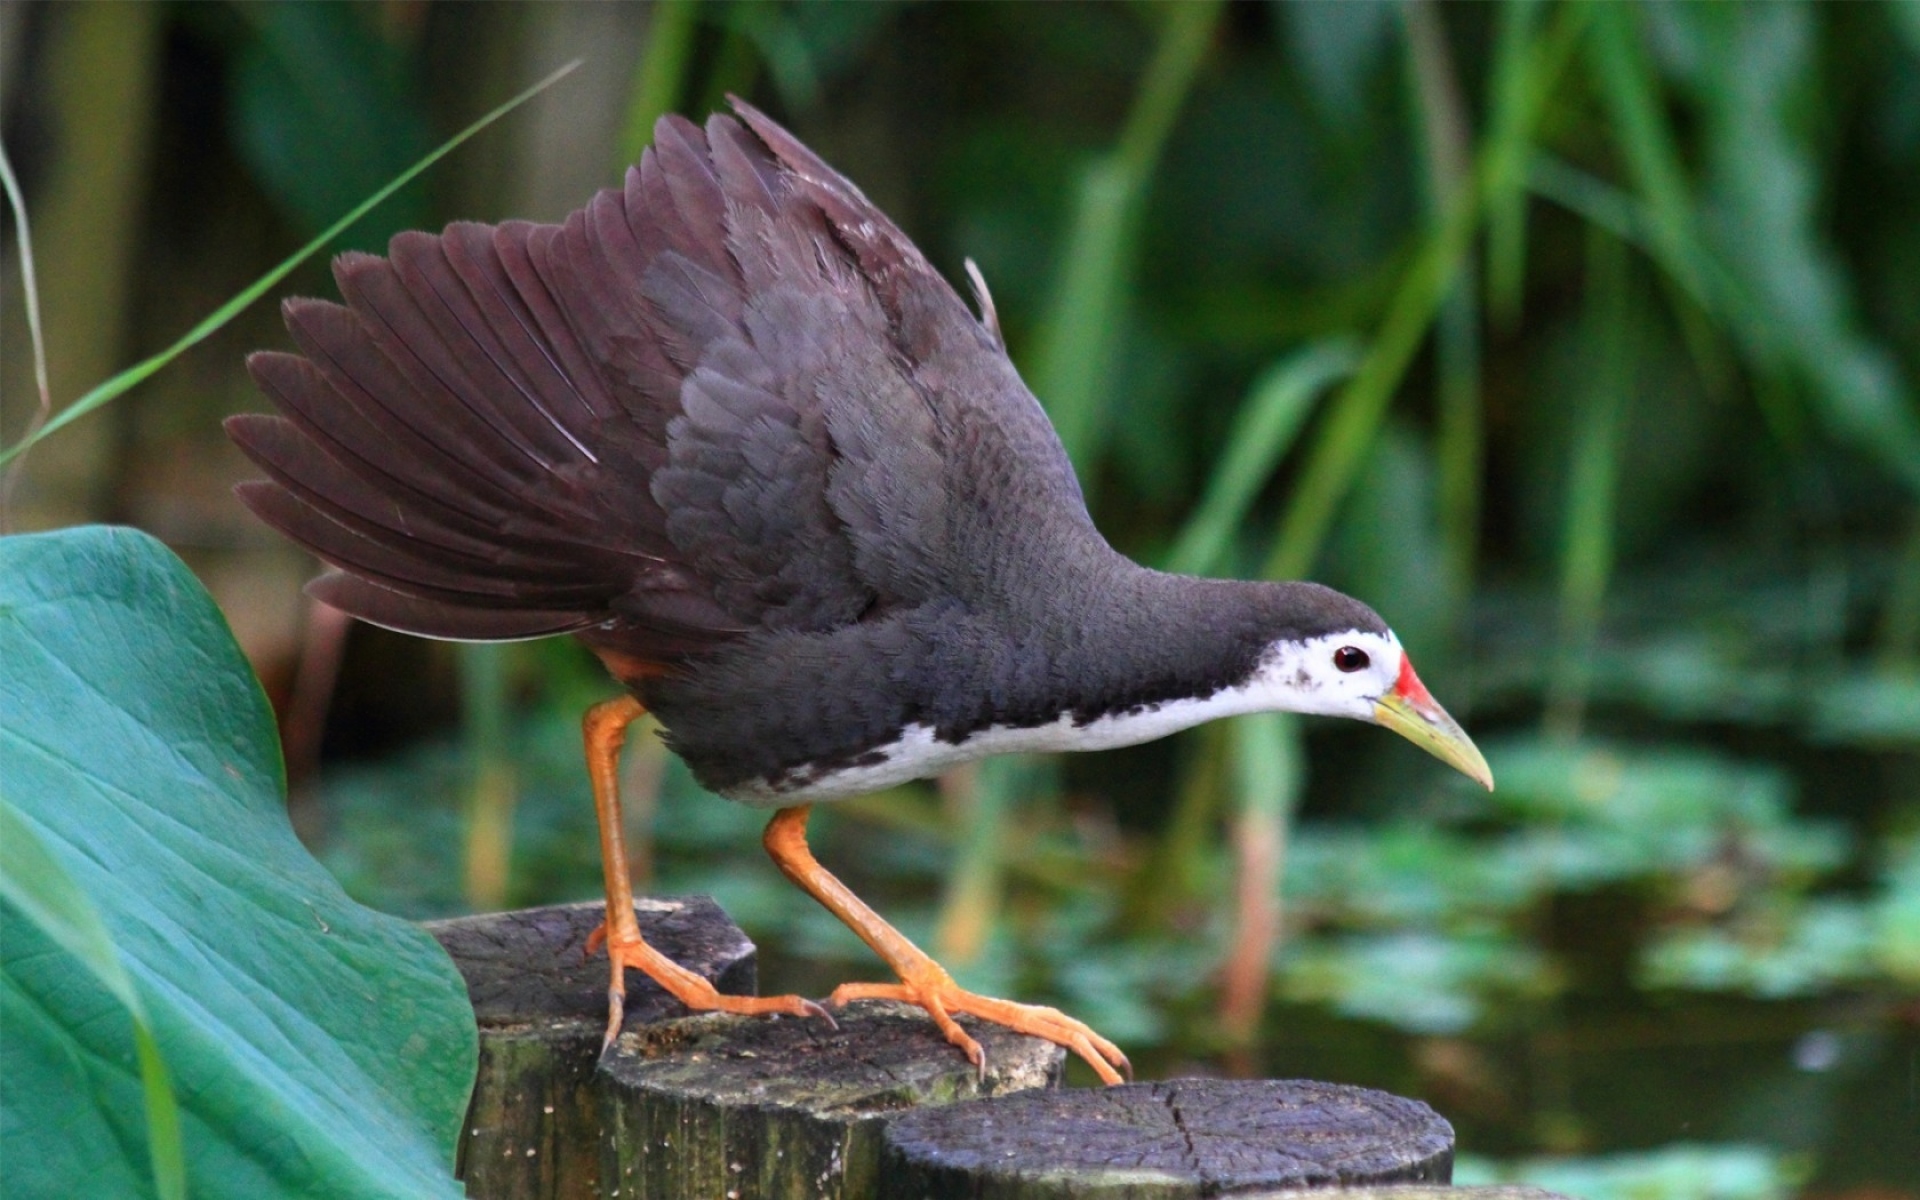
{"x": 729, "y": 397}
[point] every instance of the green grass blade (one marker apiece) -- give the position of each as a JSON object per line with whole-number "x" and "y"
{"x": 661, "y": 75}
{"x": 169, "y": 1158}
{"x": 126, "y": 380}
{"x": 1508, "y": 104}
{"x": 1587, "y": 534}
{"x": 1263, "y": 431}
{"x": 1637, "y": 108}
{"x": 1639, "y": 122}
{"x": 1083, "y": 319}
{"x": 30, "y": 294}
{"x": 1183, "y": 43}
{"x": 1699, "y": 284}
{"x": 737, "y": 61}
{"x": 34, "y": 883}
{"x": 1461, "y": 434}
{"x": 1357, "y": 412}
{"x": 1361, "y": 406}
{"x": 1599, "y": 203}
{"x": 1457, "y": 339}
{"x": 970, "y": 903}
{"x": 1268, "y": 768}
{"x": 1077, "y": 339}
{"x": 493, "y": 789}
{"x": 1771, "y": 233}
{"x": 29, "y": 281}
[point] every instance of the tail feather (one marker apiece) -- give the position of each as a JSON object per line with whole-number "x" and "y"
{"x": 445, "y": 371}
{"x": 438, "y": 444}
{"x": 430, "y": 618}
{"x": 442, "y": 576}
{"x": 381, "y": 453}
{"x": 320, "y": 482}
{"x": 496, "y": 372}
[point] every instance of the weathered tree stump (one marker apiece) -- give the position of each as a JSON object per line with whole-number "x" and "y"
{"x": 1165, "y": 1141}
{"x": 534, "y": 1125}
{"x": 741, "y": 1108}
{"x": 698, "y": 1107}
{"x": 727, "y": 1108}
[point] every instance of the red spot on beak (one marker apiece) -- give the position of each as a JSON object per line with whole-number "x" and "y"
{"x": 1409, "y": 688}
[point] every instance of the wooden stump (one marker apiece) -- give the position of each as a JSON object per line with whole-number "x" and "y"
{"x": 713, "y": 1107}
{"x": 697, "y": 1107}
{"x": 727, "y": 1108}
{"x": 534, "y": 1126}
{"x": 1165, "y": 1141}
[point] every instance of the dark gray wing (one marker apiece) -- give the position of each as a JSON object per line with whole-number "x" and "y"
{"x": 1009, "y": 484}
{"x": 729, "y": 397}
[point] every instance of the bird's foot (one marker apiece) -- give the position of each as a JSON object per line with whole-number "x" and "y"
{"x": 688, "y": 988}
{"x": 942, "y": 997}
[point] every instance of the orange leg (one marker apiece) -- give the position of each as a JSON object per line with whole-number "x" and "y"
{"x": 605, "y": 727}
{"x": 924, "y": 982}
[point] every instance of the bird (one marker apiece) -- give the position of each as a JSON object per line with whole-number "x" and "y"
{"x": 728, "y": 427}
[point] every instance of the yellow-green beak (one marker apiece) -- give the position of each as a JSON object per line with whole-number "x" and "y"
{"x": 1414, "y": 714}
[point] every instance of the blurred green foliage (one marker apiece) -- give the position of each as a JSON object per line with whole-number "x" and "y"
{"x": 1680, "y": 1172}
{"x": 1579, "y": 338}
{"x": 325, "y": 112}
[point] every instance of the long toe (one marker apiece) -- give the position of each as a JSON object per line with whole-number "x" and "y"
{"x": 696, "y": 992}
{"x": 942, "y": 998}
{"x": 1057, "y": 1027}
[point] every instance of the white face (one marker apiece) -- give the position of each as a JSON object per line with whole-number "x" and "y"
{"x": 1339, "y": 675}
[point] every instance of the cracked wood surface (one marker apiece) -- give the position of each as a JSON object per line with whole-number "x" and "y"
{"x": 531, "y": 965}
{"x": 1167, "y": 1141}
{"x": 718, "y": 1106}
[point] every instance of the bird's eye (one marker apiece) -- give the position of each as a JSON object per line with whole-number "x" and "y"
{"x": 1350, "y": 658}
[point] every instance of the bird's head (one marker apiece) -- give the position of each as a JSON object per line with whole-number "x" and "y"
{"x": 1335, "y": 657}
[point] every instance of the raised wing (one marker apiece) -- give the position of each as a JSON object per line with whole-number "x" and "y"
{"x": 730, "y": 397}
{"x": 1014, "y": 502}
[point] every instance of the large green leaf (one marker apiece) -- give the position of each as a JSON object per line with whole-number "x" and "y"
{"x": 314, "y": 1047}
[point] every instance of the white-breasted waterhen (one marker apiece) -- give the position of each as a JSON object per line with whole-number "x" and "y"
{"x": 728, "y": 428}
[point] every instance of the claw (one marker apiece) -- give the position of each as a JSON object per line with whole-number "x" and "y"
{"x": 941, "y": 998}
{"x": 814, "y": 1010}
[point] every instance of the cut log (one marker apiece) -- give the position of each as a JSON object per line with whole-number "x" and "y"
{"x": 790, "y": 1109}
{"x": 681, "y": 1106}
{"x": 1166, "y": 1141}
{"x": 763, "y": 1108}
{"x": 534, "y": 1126}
